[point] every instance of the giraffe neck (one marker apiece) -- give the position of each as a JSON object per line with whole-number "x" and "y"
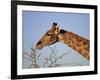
{"x": 79, "y": 44}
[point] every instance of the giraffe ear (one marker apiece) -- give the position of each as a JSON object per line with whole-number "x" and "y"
{"x": 57, "y": 29}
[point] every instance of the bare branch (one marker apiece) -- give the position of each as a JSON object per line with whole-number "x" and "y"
{"x": 27, "y": 58}
{"x": 27, "y": 54}
{"x": 34, "y": 58}
{"x": 50, "y": 61}
{"x": 53, "y": 57}
{"x": 56, "y": 60}
{"x": 38, "y": 57}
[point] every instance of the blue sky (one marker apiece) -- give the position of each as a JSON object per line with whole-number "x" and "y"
{"x": 35, "y": 24}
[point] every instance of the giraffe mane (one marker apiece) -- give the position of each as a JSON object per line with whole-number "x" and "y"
{"x": 62, "y": 31}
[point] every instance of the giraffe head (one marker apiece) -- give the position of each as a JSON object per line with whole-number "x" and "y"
{"x": 50, "y": 37}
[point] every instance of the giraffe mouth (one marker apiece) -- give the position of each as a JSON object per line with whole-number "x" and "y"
{"x": 39, "y": 47}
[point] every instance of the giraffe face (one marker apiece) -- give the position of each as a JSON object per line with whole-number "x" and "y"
{"x": 49, "y": 38}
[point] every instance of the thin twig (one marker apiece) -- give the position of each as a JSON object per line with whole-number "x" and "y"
{"x": 56, "y": 60}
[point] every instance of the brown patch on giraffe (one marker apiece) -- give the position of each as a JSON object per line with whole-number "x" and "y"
{"x": 71, "y": 36}
{"x": 88, "y": 57}
{"x": 85, "y": 42}
{"x": 79, "y": 39}
{"x": 85, "y": 54}
{"x": 80, "y": 50}
{"x": 75, "y": 47}
{"x": 78, "y": 44}
{"x": 69, "y": 43}
{"x": 86, "y": 48}
{"x": 73, "y": 41}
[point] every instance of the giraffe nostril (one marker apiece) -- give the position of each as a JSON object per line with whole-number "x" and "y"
{"x": 39, "y": 45}
{"x": 39, "y": 42}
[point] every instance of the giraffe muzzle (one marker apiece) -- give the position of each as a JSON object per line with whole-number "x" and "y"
{"x": 39, "y": 45}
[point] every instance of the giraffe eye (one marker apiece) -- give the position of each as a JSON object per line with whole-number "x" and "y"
{"x": 49, "y": 34}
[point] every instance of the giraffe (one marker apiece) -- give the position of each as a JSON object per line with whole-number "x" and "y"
{"x": 76, "y": 42}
